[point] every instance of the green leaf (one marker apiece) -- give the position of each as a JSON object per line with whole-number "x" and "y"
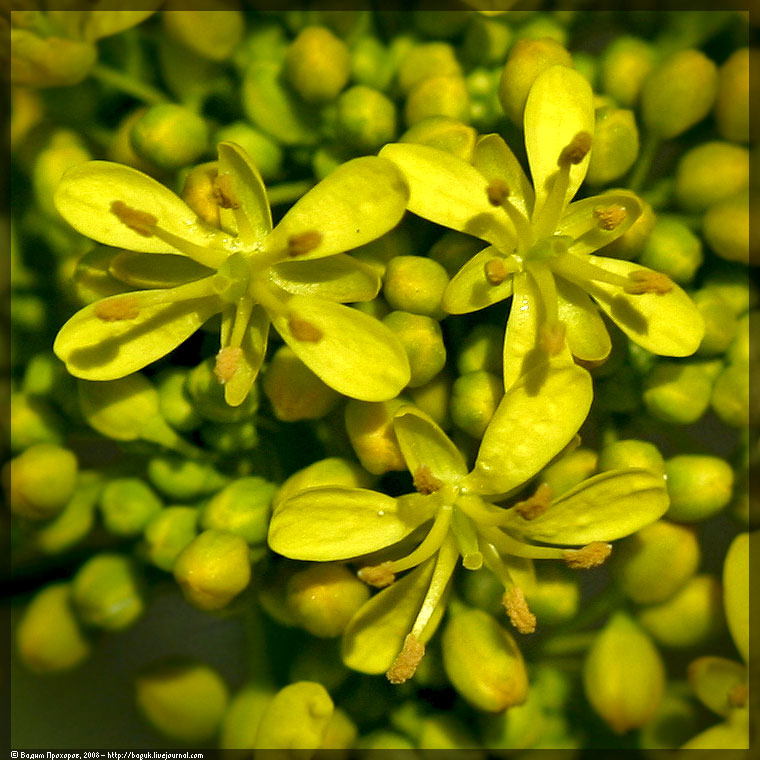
{"x": 448, "y": 191}
{"x": 338, "y": 278}
{"x": 736, "y": 590}
{"x": 605, "y": 507}
{"x": 356, "y": 203}
{"x": 424, "y": 444}
{"x": 585, "y": 331}
{"x": 339, "y": 356}
{"x": 145, "y": 270}
{"x": 333, "y": 523}
{"x": 559, "y": 105}
{"x": 254, "y": 346}
{"x": 535, "y": 420}
{"x": 668, "y": 324}
{"x": 494, "y": 159}
{"x": 376, "y": 633}
{"x": 469, "y": 290}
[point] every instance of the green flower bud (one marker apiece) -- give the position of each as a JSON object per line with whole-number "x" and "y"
{"x": 266, "y": 40}
{"x": 740, "y": 350}
{"x": 341, "y": 732}
{"x": 49, "y": 61}
{"x": 33, "y": 421}
{"x": 294, "y": 391}
{"x": 388, "y": 741}
{"x": 422, "y": 340}
{"x": 692, "y": 617}
{"x": 243, "y": 508}
{"x": 483, "y": 661}
{"x": 726, "y": 228}
{"x": 655, "y": 562}
{"x": 324, "y": 597}
{"x": 64, "y": 150}
{"x": 170, "y": 136}
{"x": 679, "y": 392}
{"x": 569, "y": 470}
{"x": 518, "y": 728}
{"x": 415, "y": 284}
{"x": 424, "y": 61}
{"x": 127, "y": 506}
{"x": 625, "y": 64}
{"x": 230, "y": 437}
{"x": 486, "y": 41}
{"x": 731, "y": 395}
{"x": 446, "y": 732}
{"x": 438, "y": 96}
{"x": 434, "y": 398}
{"x": 377, "y": 253}
{"x": 212, "y": 34}
{"x": 332, "y": 471}
{"x": 189, "y": 77}
{"x": 454, "y": 249}
{"x": 481, "y": 349}
{"x": 616, "y": 145}
{"x": 474, "y": 398}
{"x": 720, "y": 322}
{"x": 485, "y": 108}
{"x": 623, "y": 675}
{"x": 265, "y": 153}
{"x": 213, "y": 569}
{"x": 120, "y": 148}
{"x": 619, "y": 392}
{"x": 319, "y": 660}
{"x": 168, "y": 533}
{"x": 371, "y": 64}
{"x": 296, "y": 718}
{"x": 173, "y": 402}
{"x": 527, "y": 59}
{"x": 677, "y": 719}
{"x": 716, "y": 681}
{"x": 729, "y": 281}
{"x": 369, "y": 425}
{"x": 39, "y": 481}
{"x": 366, "y": 118}
{"x": 736, "y": 590}
{"x": 105, "y": 592}
{"x": 678, "y": 93}
{"x": 732, "y": 102}
{"x": 182, "y": 479}
{"x": 632, "y": 241}
{"x": 243, "y": 715}
{"x": 699, "y": 486}
{"x": 183, "y": 700}
{"x": 207, "y": 395}
{"x": 444, "y": 133}
{"x": 729, "y": 735}
{"x": 673, "y": 249}
{"x": 631, "y": 452}
{"x": 317, "y": 65}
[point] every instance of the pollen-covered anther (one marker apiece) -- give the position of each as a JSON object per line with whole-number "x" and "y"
{"x": 303, "y": 242}
{"x": 378, "y": 576}
{"x": 497, "y": 191}
{"x": 537, "y": 504}
{"x": 552, "y": 338}
{"x": 425, "y": 482}
{"x": 138, "y": 221}
{"x": 496, "y": 271}
{"x": 405, "y": 665}
{"x": 647, "y": 281}
{"x": 610, "y": 217}
{"x": 591, "y": 555}
{"x": 738, "y": 695}
{"x": 518, "y": 611}
{"x": 303, "y": 330}
{"x": 117, "y": 309}
{"x": 227, "y": 362}
{"x": 576, "y": 150}
{"x": 224, "y": 194}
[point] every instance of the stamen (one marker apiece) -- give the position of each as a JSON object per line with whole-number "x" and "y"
{"x": 303, "y": 243}
{"x": 227, "y": 362}
{"x": 575, "y": 151}
{"x": 405, "y": 665}
{"x": 537, "y": 504}
{"x": 425, "y": 482}
{"x": 646, "y": 281}
{"x": 610, "y": 216}
{"x": 505, "y": 544}
{"x": 589, "y": 556}
{"x": 379, "y": 576}
{"x": 429, "y": 545}
{"x": 496, "y": 271}
{"x": 552, "y": 338}
{"x": 224, "y": 194}
{"x": 138, "y": 221}
{"x": 497, "y": 191}
{"x": 517, "y": 608}
{"x": 117, "y": 309}
{"x": 303, "y": 330}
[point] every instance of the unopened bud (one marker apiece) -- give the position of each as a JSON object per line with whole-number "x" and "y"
{"x": 370, "y": 428}
{"x": 317, "y": 65}
{"x": 127, "y": 505}
{"x": 243, "y": 508}
{"x": 474, "y": 398}
{"x": 699, "y": 486}
{"x": 732, "y": 102}
{"x": 170, "y": 136}
{"x": 422, "y": 339}
{"x": 415, "y": 284}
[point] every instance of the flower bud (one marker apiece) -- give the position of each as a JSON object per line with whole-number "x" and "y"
{"x": 481, "y": 349}
{"x": 332, "y": 471}
{"x": 716, "y": 680}
{"x": 555, "y": 598}
{"x": 729, "y": 281}
{"x": 699, "y": 486}
{"x": 736, "y": 572}
{"x": 213, "y": 569}
{"x": 518, "y": 728}
{"x": 39, "y": 481}
{"x": 616, "y": 145}
{"x": 242, "y": 717}
{"x": 444, "y": 731}
{"x": 105, "y": 592}
{"x": 655, "y": 562}
{"x": 486, "y": 41}
{"x": 182, "y": 699}
{"x": 423, "y": 61}
{"x": 443, "y": 133}
{"x": 623, "y": 675}
{"x": 64, "y": 150}
{"x": 631, "y": 452}
{"x": 317, "y": 65}
{"x": 691, "y": 617}
{"x": 242, "y": 507}
{"x": 415, "y": 284}
{"x": 127, "y": 505}
{"x": 422, "y": 340}
{"x": 48, "y": 637}
{"x": 438, "y": 96}
{"x": 732, "y": 102}
{"x": 720, "y": 322}
{"x": 173, "y": 402}
{"x": 341, "y": 733}
{"x": 569, "y": 470}
{"x": 625, "y": 64}
{"x": 677, "y": 719}
{"x": 168, "y": 533}
{"x": 740, "y": 350}
{"x": 731, "y": 395}
{"x": 673, "y": 249}
{"x": 527, "y": 59}
{"x": 182, "y": 479}
{"x": 265, "y": 153}
{"x": 474, "y": 398}
{"x": 33, "y": 420}
{"x": 207, "y": 395}
{"x": 678, "y": 392}
{"x": 678, "y": 93}
{"x": 212, "y": 34}
{"x": 49, "y": 61}
{"x": 324, "y": 597}
{"x": 730, "y": 734}
{"x": 294, "y": 391}
{"x": 370, "y": 428}
{"x": 366, "y": 118}
{"x": 726, "y": 228}
{"x": 483, "y": 661}
{"x": 170, "y": 136}
{"x": 371, "y": 64}
{"x": 434, "y": 398}
{"x": 230, "y": 437}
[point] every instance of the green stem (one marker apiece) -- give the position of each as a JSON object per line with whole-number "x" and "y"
{"x": 288, "y": 192}
{"x": 128, "y": 85}
{"x": 259, "y": 670}
{"x": 644, "y": 163}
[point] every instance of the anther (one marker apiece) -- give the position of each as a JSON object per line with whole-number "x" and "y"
{"x": 378, "y": 576}
{"x": 610, "y": 216}
{"x": 552, "y": 338}
{"x": 224, "y": 194}
{"x": 303, "y": 242}
{"x": 738, "y": 695}
{"x": 496, "y": 271}
{"x": 576, "y": 150}
{"x": 227, "y": 362}
{"x": 117, "y": 309}
{"x": 517, "y": 609}
{"x": 405, "y": 665}
{"x": 138, "y": 221}
{"x": 497, "y": 191}
{"x": 646, "y": 281}
{"x": 303, "y": 330}
{"x": 589, "y": 556}
{"x": 425, "y": 482}
{"x": 537, "y": 504}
